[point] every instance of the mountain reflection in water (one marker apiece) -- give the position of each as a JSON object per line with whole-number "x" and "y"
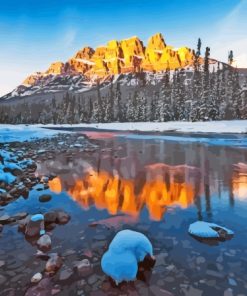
{"x": 127, "y": 176}
{"x": 157, "y": 187}
{"x": 239, "y": 181}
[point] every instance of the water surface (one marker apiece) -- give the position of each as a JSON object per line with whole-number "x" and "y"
{"x": 157, "y": 185}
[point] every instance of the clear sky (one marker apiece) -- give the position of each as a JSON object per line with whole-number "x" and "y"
{"x": 35, "y": 33}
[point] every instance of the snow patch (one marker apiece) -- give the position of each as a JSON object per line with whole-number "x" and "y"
{"x": 203, "y": 229}
{"x": 127, "y": 248}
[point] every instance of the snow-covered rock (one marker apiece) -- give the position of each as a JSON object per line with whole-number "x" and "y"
{"x": 208, "y": 230}
{"x": 35, "y": 226}
{"x": 126, "y": 250}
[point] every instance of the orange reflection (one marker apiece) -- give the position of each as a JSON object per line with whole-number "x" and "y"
{"x": 55, "y": 185}
{"x": 239, "y": 181}
{"x": 159, "y": 187}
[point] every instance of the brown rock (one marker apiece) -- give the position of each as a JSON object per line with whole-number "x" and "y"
{"x": 83, "y": 267}
{"x": 33, "y": 228}
{"x": 54, "y": 263}
{"x": 44, "y": 243}
{"x": 62, "y": 217}
{"x": 56, "y": 68}
{"x": 45, "y": 197}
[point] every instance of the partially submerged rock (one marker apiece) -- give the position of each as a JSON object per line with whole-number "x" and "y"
{"x": 115, "y": 222}
{"x": 127, "y": 249}
{"x": 65, "y": 274}
{"x": 35, "y": 226}
{"x": 62, "y": 217}
{"x": 45, "y": 198}
{"x": 37, "y": 277}
{"x": 58, "y": 217}
{"x": 5, "y": 219}
{"x": 206, "y": 230}
{"x": 44, "y": 243}
{"x": 54, "y": 263}
{"x": 83, "y": 268}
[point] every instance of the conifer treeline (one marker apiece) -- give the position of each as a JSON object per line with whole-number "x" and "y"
{"x": 199, "y": 95}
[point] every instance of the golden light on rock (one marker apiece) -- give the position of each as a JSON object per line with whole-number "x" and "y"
{"x": 125, "y": 56}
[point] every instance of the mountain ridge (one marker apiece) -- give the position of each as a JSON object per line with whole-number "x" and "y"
{"x": 116, "y": 57}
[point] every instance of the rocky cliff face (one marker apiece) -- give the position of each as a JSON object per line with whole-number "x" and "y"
{"x": 125, "y": 56}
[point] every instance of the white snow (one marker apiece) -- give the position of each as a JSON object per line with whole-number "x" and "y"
{"x": 207, "y": 230}
{"x": 231, "y": 126}
{"x": 85, "y": 61}
{"x": 127, "y": 248}
{"x": 12, "y": 133}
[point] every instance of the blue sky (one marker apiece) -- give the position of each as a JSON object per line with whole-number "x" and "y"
{"x": 35, "y": 33}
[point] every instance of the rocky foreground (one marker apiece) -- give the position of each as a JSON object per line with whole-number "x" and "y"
{"x": 34, "y": 261}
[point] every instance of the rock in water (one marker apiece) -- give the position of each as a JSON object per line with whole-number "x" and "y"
{"x": 50, "y": 217}
{"x": 4, "y": 219}
{"x": 127, "y": 249}
{"x": 65, "y": 274}
{"x": 83, "y": 268}
{"x": 62, "y": 217}
{"x": 45, "y": 198}
{"x": 44, "y": 243}
{"x": 36, "y": 278}
{"x": 206, "y": 230}
{"x": 35, "y": 227}
{"x": 54, "y": 263}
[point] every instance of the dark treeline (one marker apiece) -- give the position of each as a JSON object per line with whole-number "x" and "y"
{"x": 199, "y": 95}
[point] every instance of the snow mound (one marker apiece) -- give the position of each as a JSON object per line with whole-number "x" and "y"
{"x": 203, "y": 229}
{"x": 126, "y": 250}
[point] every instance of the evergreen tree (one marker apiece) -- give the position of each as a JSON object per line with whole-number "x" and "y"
{"x": 230, "y": 57}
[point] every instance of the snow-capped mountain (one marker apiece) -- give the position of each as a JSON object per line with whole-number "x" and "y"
{"x": 128, "y": 81}
{"x": 90, "y": 66}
